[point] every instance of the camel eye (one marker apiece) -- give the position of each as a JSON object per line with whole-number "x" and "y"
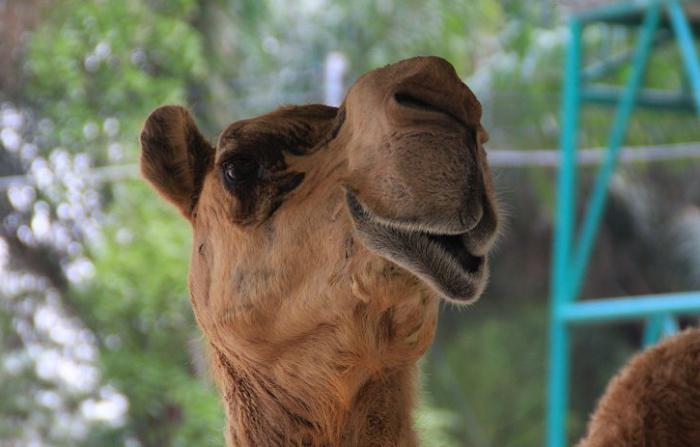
{"x": 229, "y": 172}
{"x": 239, "y": 170}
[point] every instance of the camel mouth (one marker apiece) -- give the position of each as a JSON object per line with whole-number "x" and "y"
{"x": 443, "y": 261}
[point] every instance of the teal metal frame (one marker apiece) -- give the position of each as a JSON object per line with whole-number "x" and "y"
{"x": 658, "y": 21}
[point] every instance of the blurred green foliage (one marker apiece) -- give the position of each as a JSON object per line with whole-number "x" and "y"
{"x": 506, "y": 407}
{"x": 90, "y": 61}
{"x": 138, "y": 307}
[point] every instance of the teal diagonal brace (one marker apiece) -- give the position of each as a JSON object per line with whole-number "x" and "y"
{"x": 614, "y": 62}
{"x": 566, "y": 199}
{"x": 684, "y": 36}
{"x": 596, "y": 204}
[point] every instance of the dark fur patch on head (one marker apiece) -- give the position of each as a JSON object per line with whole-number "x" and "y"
{"x": 297, "y": 130}
{"x": 263, "y": 141}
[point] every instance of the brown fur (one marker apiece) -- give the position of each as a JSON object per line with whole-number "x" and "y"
{"x": 323, "y": 239}
{"x": 654, "y": 401}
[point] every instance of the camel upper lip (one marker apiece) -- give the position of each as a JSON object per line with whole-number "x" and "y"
{"x": 441, "y": 260}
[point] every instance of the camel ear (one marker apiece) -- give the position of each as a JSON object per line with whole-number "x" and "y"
{"x": 175, "y": 156}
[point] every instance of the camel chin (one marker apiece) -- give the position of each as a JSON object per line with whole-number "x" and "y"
{"x": 442, "y": 261}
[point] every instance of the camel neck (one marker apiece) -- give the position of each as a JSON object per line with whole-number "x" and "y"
{"x": 267, "y": 411}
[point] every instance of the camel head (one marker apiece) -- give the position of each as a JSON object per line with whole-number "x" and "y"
{"x": 328, "y": 235}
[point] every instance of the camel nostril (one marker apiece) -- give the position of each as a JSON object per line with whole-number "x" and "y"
{"x": 407, "y": 100}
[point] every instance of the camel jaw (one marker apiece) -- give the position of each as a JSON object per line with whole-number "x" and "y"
{"x": 442, "y": 261}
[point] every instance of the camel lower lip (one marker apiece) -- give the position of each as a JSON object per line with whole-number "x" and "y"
{"x": 454, "y": 246}
{"x": 442, "y": 261}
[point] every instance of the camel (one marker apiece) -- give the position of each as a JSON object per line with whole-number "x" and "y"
{"x": 654, "y": 400}
{"x": 323, "y": 240}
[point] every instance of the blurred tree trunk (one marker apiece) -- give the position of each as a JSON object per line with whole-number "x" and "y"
{"x": 17, "y": 19}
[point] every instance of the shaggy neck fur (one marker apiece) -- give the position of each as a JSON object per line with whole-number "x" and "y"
{"x": 360, "y": 411}
{"x": 345, "y": 378}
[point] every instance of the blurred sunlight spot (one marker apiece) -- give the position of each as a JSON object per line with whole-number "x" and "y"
{"x": 111, "y": 126}
{"x": 41, "y": 223}
{"x": 550, "y": 39}
{"x": 110, "y": 408}
{"x": 63, "y": 211}
{"x": 102, "y": 50}
{"x": 79, "y": 377}
{"x": 10, "y": 117}
{"x": 60, "y": 159}
{"x": 21, "y": 197}
{"x": 10, "y": 139}
{"x": 62, "y": 333}
{"x": 24, "y": 234}
{"x": 49, "y": 399}
{"x": 81, "y": 161}
{"x": 43, "y": 176}
{"x": 60, "y": 237}
{"x": 115, "y": 152}
{"x": 15, "y": 362}
{"x": 113, "y": 342}
{"x": 4, "y": 255}
{"x": 91, "y": 62}
{"x": 45, "y": 318}
{"x": 74, "y": 248}
{"x": 46, "y": 363}
{"x": 49, "y": 319}
{"x": 85, "y": 352}
{"x": 80, "y": 270}
{"x": 90, "y": 130}
{"x": 29, "y": 151}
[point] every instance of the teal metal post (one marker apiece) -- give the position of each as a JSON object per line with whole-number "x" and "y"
{"x": 596, "y": 204}
{"x": 684, "y": 36}
{"x": 566, "y": 199}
